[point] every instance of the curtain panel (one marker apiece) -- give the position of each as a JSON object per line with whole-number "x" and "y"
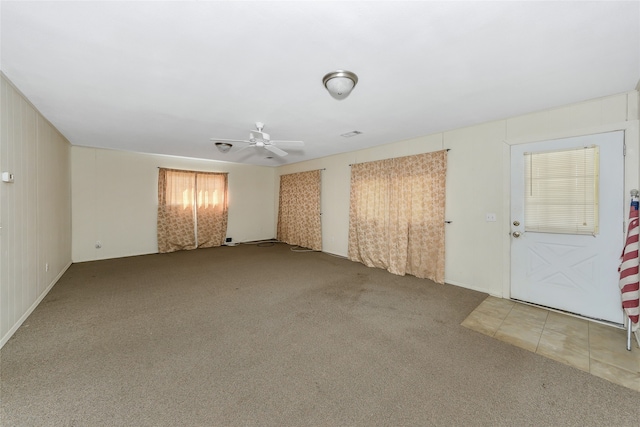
{"x": 299, "y": 210}
{"x": 192, "y": 209}
{"x": 176, "y": 220}
{"x": 396, "y": 215}
{"x": 212, "y": 209}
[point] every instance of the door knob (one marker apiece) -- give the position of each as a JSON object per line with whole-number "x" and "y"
{"x": 516, "y": 234}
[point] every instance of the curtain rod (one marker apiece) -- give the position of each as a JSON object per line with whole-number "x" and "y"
{"x": 312, "y": 170}
{"x": 189, "y": 170}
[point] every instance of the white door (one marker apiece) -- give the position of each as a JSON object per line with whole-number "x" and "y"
{"x": 572, "y": 272}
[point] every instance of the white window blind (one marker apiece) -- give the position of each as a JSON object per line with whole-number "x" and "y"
{"x": 561, "y": 191}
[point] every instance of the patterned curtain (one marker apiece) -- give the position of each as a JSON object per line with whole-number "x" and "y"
{"x": 299, "y": 210}
{"x": 212, "y": 211}
{"x": 396, "y": 216}
{"x": 176, "y": 220}
{"x": 187, "y": 198}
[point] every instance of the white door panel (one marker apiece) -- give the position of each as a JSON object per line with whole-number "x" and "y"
{"x": 571, "y": 272}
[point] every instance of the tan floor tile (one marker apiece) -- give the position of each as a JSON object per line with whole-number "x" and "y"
{"x": 528, "y": 341}
{"x": 482, "y": 323}
{"x": 498, "y": 308}
{"x": 571, "y": 350}
{"x": 601, "y": 331}
{"x": 615, "y": 374}
{"x": 530, "y": 312}
{"x": 590, "y": 346}
{"x": 608, "y": 345}
{"x": 523, "y": 327}
{"x": 568, "y": 325}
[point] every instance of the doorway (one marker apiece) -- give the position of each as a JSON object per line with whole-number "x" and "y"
{"x": 567, "y": 267}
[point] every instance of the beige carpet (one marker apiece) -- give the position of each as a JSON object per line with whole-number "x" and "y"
{"x": 262, "y": 336}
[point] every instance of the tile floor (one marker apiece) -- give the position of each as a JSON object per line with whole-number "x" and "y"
{"x": 590, "y": 346}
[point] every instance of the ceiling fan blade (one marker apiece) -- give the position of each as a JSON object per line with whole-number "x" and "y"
{"x": 276, "y": 150}
{"x": 228, "y": 140}
{"x": 292, "y": 143}
{"x": 243, "y": 148}
{"x": 243, "y": 156}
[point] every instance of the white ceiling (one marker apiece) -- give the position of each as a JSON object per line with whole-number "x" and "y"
{"x": 165, "y": 77}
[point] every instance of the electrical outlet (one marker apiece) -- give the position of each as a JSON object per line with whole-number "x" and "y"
{"x": 46, "y": 266}
{"x": 98, "y": 244}
{"x": 491, "y": 217}
{"x": 228, "y": 240}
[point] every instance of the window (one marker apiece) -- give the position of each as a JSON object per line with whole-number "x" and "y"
{"x": 396, "y": 214}
{"x": 192, "y": 209}
{"x": 299, "y": 210}
{"x": 561, "y": 191}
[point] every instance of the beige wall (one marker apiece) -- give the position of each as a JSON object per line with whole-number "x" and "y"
{"x": 115, "y": 200}
{"x": 477, "y": 252}
{"x": 35, "y": 210}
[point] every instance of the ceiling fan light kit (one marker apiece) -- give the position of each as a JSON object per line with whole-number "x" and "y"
{"x": 259, "y": 139}
{"x": 340, "y": 83}
{"x": 223, "y": 147}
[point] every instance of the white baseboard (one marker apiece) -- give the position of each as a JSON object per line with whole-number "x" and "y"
{"x": 24, "y": 317}
{"x": 473, "y": 288}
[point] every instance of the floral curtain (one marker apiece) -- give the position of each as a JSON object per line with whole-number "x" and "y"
{"x": 396, "y": 216}
{"x": 212, "y": 213}
{"x": 176, "y": 219}
{"x": 192, "y": 209}
{"x": 299, "y": 210}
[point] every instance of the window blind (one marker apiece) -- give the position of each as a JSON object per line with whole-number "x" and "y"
{"x": 561, "y": 191}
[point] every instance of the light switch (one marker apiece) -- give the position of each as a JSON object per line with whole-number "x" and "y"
{"x": 7, "y": 177}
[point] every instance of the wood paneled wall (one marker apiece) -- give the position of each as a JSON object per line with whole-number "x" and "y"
{"x": 35, "y": 210}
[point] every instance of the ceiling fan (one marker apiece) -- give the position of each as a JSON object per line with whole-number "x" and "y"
{"x": 258, "y": 138}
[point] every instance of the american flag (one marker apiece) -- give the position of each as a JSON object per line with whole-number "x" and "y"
{"x": 629, "y": 286}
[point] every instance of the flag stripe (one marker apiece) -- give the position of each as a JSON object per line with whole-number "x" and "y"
{"x": 630, "y": 267}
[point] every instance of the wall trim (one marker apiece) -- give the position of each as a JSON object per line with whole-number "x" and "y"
{"x": 611, "y": 127}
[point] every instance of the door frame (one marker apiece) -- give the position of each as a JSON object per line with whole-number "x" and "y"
{"x": 631, "y": 131}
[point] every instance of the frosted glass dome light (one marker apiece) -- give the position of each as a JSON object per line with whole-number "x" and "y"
{"x": 340, "y": 83}
{"x": 223, "y": 147}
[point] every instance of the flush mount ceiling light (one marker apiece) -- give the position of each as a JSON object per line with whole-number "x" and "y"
{"x": 340, "y": 83}
{"x": 223, "y": 147}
